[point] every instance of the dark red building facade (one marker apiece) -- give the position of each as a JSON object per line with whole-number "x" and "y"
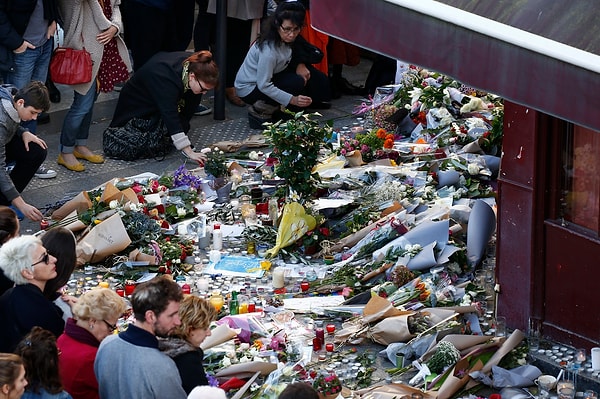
{"x": 543, "y": 58}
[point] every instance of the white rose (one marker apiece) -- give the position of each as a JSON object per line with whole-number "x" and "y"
{"x": 473, "y": 169}
{"x": 226, "y": 362}
{"x": 113, "y": 204}
{"x": 181, "y": 212}
{"x": 244, "y": 346}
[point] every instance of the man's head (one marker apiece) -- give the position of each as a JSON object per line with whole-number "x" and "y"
{"x": 31, "y": 100}
{"x": 155, "y": 305}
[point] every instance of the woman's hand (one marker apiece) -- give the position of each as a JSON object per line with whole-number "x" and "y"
{"x": 106, "y": 36}
{"x": 302, "y": 70}
{"x": 194, "y": 156}
{"x": 301, "y": 101}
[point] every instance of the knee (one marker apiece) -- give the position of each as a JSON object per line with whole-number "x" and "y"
{"x": 36, "y": 154}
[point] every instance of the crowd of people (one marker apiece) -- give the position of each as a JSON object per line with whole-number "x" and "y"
{"x": 56, "y": 346}
{"x": 140, "y": 44}
{"x": 50, "y": 352}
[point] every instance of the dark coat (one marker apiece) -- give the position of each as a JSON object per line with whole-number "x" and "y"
{"x": 188, "y": 360}
{"x": 156, "y": 90}
{"x": 22, "y": 308}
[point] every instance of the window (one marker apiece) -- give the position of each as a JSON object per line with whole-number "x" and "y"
{"x": 580, "y": 202}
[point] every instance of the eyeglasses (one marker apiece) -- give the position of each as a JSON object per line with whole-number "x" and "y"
{"x": 111, "y": 327}
{"x": 290, "y": 29}
{"x": 203, "y": 89}
{"x": 45, "y": 259}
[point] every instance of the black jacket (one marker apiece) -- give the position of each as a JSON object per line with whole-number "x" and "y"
{"x": 22, "y": 308}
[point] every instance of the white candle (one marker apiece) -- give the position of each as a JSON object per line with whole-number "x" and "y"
{"x": 202, "y": 284}
{"x": 278, "y": 278}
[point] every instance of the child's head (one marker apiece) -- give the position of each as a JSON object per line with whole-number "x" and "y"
{"x": 40, "y": 357}
{"x": 32, "y": 100}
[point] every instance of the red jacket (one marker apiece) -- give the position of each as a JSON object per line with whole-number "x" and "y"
{"x": 76, "y": 361}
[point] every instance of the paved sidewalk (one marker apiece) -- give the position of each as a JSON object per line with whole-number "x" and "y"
{"x": 205, "y": 131}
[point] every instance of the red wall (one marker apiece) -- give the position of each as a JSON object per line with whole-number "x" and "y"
{"x": 515, "y": 238}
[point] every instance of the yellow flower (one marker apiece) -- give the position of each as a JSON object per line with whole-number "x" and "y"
{"x": 97, "y": 221}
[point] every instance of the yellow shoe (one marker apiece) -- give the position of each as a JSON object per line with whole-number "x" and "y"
{"x": 77, "y": 167}
{"x": 90, "y": 158}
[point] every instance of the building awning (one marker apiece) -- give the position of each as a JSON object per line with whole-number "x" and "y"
{"x": 540, "y": 54}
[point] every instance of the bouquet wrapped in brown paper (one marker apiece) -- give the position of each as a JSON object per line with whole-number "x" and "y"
{"x": 481, "y": 358}
{"x": 105, "y": 239}
{"x": 376, "y": 309}
{"x": 80, "y": 203}
{"x": 111, "y": 192}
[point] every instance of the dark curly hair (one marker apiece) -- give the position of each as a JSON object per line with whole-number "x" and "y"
{"x": 40, "y": 357}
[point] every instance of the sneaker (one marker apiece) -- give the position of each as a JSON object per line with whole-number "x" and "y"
{"x": 202, "y": 110}
{"x": 45, "y": 173}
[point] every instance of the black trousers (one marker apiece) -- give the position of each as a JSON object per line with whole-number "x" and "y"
{"x": 26, "y": 164}
{"x": 316, "y": 88}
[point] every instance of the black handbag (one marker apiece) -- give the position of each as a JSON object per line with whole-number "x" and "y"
{"x": 138, "y": 139}
{"x": 305, "y": 53}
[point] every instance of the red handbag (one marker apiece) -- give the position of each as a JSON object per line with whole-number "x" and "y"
{"x": 71, "y": 67}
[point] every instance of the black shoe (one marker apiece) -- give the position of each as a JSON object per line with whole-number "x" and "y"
{"x": 346, "y": 87}
{"x": 53, "y": 91}
{"x": 43, "y": 118}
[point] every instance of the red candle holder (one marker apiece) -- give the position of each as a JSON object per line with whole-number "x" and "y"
{"x": 251, "y": 307}
{"x": 320, "y": 333}
{"x": 304, "y": 286}
{"x": 329, "y": 347}
{"x": 317, "y": 344}
{"x": 330, "y": 328}
{"x": 129, "y": 288}
{"x": 120, "y": 291}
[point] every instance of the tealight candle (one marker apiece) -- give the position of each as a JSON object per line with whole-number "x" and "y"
{"x": 330, "y": 328}
{"x": 329, "y": 348}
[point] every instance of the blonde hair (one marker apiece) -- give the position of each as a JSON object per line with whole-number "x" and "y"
{"x": 99, "y": 304}
{"x": 194, "y": 312}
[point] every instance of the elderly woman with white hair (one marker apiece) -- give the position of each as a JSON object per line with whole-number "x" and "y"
{"x": 25, "y": 261}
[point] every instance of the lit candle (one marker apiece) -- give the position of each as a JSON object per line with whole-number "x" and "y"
{"x": 580, "y": 355}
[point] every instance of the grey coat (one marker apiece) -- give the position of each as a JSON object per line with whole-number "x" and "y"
{"x": 83, "y": 21}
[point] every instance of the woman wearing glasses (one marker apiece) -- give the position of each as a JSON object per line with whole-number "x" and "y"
{"x": 26, "y": 262}
{"x": 168, "y": 87}
{"x": 269, "y": 77}
{"x": 95, "y": 316}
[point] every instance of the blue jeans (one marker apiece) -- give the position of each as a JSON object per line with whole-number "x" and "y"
{"x": 76, "y": 126}
{"x": 32, "y": 64}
